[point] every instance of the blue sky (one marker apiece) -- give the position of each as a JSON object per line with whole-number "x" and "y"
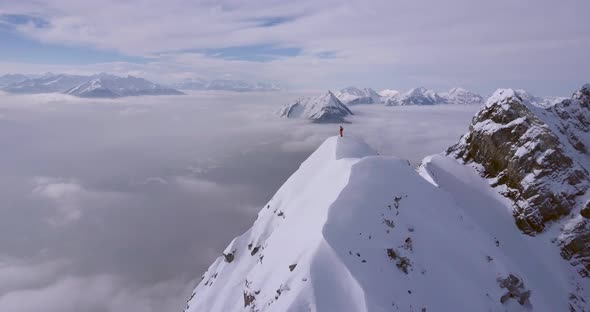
{"x": 308, "y": 44}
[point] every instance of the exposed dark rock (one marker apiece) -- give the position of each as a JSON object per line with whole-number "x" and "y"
{"x": 229, "y": 257}
{"x": 255, "y": 250}
{"x": 248, "y": 299}
{"x": 585, "y": 212}
{"x": 538, "y": 157}
{"x": 408, "y": 244}
{"x": 389, "y": 223}
{"x": 402, "y": 263}
{"x": 515, "y": 289}
{"x": 292, "y": 267}
{"x": 396, "y": 201}
{"x": 575, "y": 245}
{"x": 518, "y": 149}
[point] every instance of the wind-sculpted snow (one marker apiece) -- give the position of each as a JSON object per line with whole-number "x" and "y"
{"x": 325, "y": 108}
{"x": 538, "y": 158}
{"x": 354, "y": 231}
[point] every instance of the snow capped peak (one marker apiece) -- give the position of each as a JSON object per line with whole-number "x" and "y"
{"x": 501, "y": 95}
{"x": 322, "y": 108}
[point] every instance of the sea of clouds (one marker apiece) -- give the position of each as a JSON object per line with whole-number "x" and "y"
{"x": 121, "y": 205}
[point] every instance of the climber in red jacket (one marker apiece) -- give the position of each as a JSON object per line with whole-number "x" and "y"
{"x": 341, "y": 131}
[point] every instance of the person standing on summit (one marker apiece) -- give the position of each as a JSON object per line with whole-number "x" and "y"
{"x": 341, "y": 131}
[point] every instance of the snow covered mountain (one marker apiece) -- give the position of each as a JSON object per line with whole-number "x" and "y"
{"x": 10, "y": 79}
{"x": 352, "y": 96}
{"x": 354, "y": 231}
{"x": 322, "y": 109}
{"x": 416, "y": 96}
{"x": 101, "y": 85}
{"x": 501, "y": 222}
{"x": 226, "y": 85}
{"x": 51, "y": 83}
{"x": 109, "y": 86}
{"x": 462, "y": 96}
{"x": 539, "y": 159}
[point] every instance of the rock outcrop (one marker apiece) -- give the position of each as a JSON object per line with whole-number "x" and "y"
{"x": 537, "y": 157}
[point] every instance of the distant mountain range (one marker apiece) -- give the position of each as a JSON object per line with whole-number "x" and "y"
{"x": 415, "y": 96}
{"x": 333, "y": 106}
{"x": 111, "y": 86}
{"x": 94, "y": 86}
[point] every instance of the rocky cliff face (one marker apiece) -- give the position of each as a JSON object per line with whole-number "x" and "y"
{"x": 537, "y": 157}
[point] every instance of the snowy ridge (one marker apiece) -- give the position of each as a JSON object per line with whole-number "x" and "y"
{"x": 352, "y": 231}
{"x": 322, "y": 109}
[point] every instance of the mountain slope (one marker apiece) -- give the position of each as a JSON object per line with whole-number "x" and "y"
{"x": 353, "y": 96}
{"x": 352, "y": 231}
{"x": 109, "y": 86}
{"x": 322, "y": 109}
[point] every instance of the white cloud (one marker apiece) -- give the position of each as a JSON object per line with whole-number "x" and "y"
{"x": 68, "y": 198}
{"x": 97, "y": 293}
{"x": 385, "y": 44}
